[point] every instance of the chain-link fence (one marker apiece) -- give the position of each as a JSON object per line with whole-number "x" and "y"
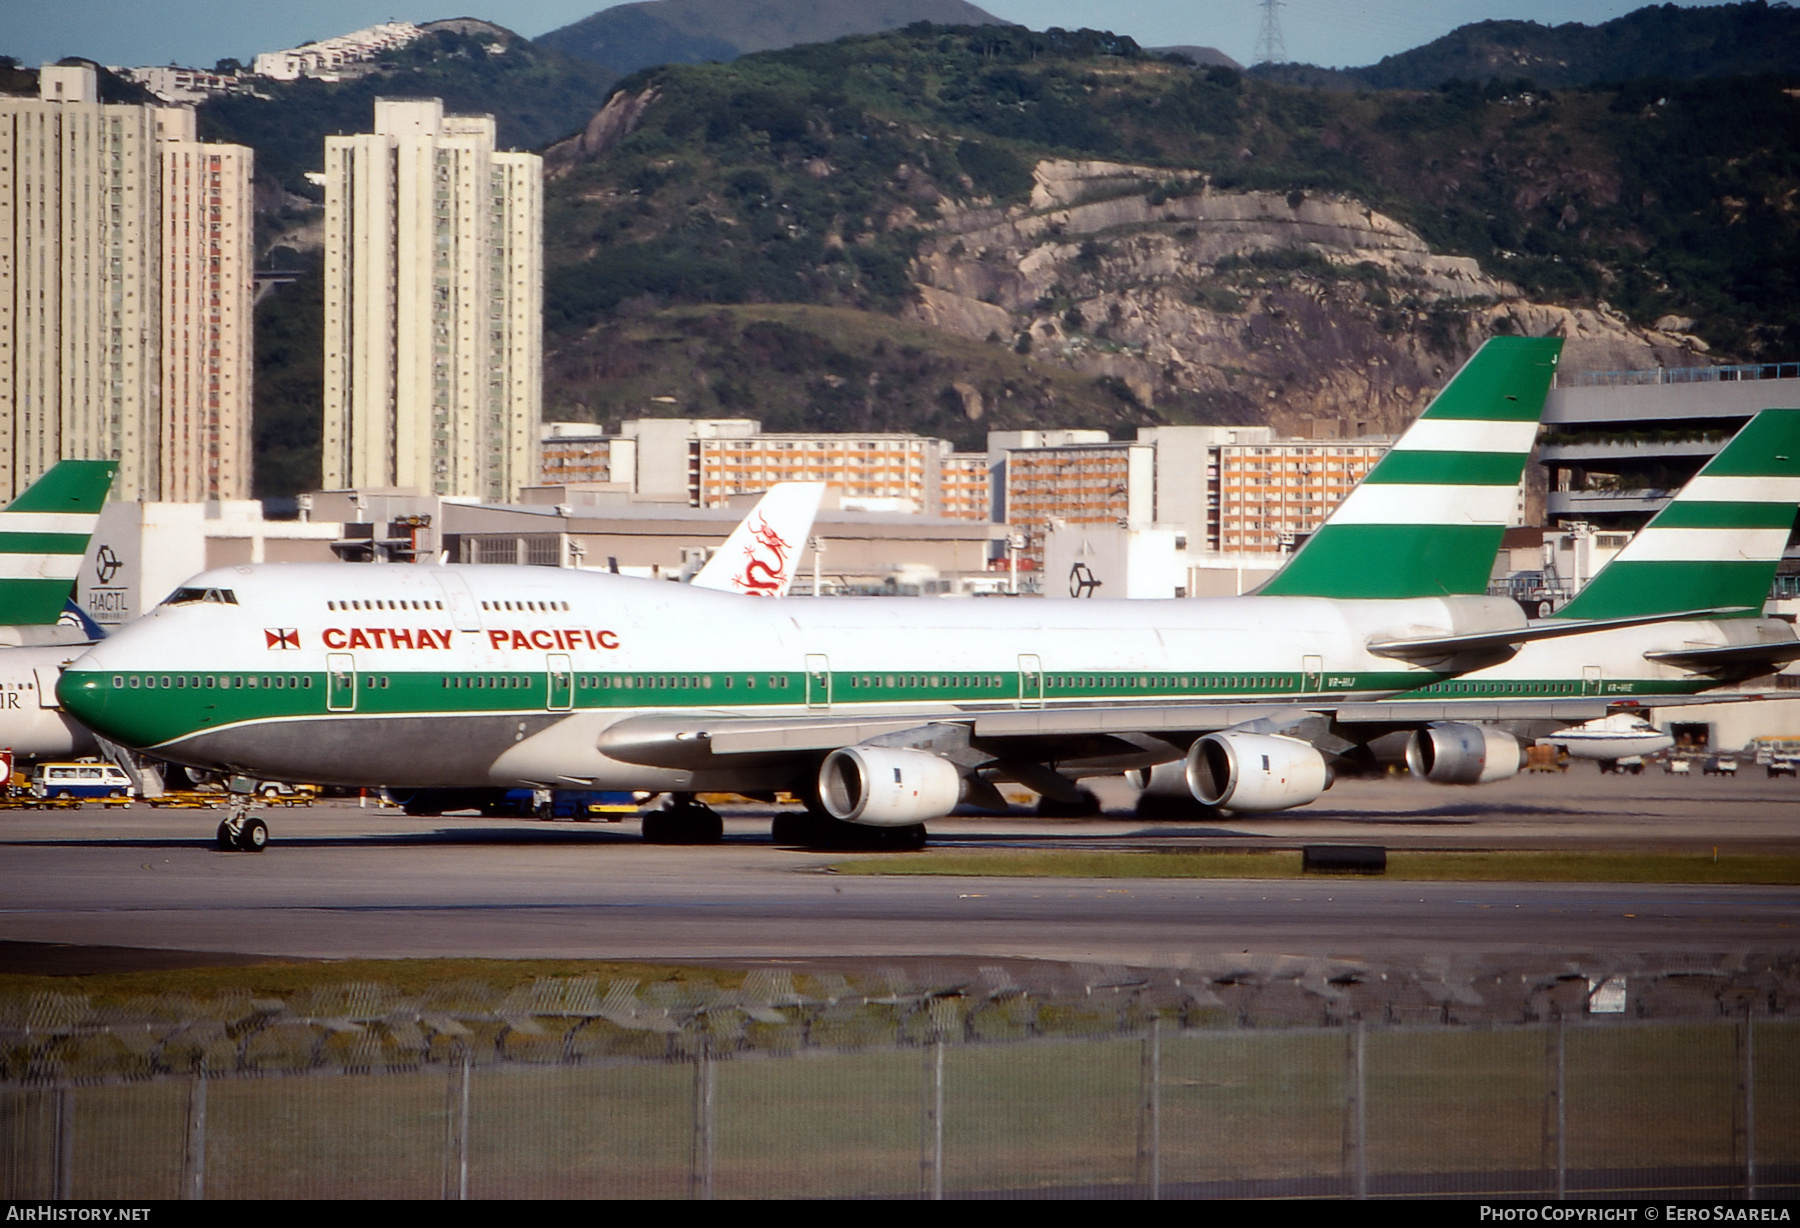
{"x": 1085, "y": 1081}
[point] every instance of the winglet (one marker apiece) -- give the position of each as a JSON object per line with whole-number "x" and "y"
{"x": 1718, "y": 541}
{"x": 1427, "y": 520}
{"x": 763, "y": 552}
{"x": 44, "y": 534}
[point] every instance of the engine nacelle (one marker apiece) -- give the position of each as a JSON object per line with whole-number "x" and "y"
{"x": 1457, "y": 754}
{"x": 1255, "y": 771}
{"x": 886, "y": 787}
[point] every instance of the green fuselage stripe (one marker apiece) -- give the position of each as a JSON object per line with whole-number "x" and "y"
{"x": 1448, "y": 469}
{"x": 1392, "y": 561}
{"x": 152, "y": 710}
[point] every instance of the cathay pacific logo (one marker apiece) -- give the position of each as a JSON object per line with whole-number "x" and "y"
{"x": 282, "y": 638}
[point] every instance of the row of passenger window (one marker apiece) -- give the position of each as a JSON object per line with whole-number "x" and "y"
{"x": 298, "y": 682}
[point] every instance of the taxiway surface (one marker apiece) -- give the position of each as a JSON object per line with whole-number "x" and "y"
{"x": 344, "y": 882}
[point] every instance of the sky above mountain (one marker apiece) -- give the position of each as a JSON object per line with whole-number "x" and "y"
{"x": 1337, "y": 33}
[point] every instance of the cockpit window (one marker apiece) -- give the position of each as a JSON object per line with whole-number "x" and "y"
{"x": 193, "y": 596}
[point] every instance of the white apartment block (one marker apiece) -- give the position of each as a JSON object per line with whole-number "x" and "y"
{"x": 185, "y": 86}
{"x": 433, "y": 306}
{"x": 208, "y": 295}
{"x": 324, "y": 58}
{"x": 87, "y": 243}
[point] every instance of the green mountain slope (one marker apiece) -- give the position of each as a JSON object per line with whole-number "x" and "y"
{"x": 811, "y": 174}
{"x": 1659, "y": 41}
{"x": 628, "y": 37}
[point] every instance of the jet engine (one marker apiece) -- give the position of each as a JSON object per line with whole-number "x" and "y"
{"x": 1255, "y": 771}
{"x": 887, "y": 787}
{"x": 1457, "y": 754}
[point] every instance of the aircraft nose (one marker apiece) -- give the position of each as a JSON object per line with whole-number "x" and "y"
{"x": 82, "y": 694}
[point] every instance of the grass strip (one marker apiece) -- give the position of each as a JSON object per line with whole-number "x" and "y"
{"x": 1421, "y": 866}
{"x": 407, "y": 976}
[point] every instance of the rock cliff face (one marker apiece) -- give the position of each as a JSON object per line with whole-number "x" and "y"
{"x": 1255, "y": 305}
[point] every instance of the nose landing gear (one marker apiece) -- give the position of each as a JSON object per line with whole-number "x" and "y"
{"x": 242, "y": 831}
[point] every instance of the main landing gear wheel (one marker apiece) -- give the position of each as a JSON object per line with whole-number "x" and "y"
{"x": 683, "y": 822}
{"x": 1086, "y": 806}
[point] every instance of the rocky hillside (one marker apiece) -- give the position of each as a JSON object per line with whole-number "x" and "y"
{"x": 1259, "y": 251}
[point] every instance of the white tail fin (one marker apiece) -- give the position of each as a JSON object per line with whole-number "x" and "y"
{"x": 762, "y": 553}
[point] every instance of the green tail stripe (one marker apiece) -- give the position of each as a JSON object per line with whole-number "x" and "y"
{"x": 1449, "y": 468}
{"x": 1768, "y": 446}
{"x": 33, "y": 603}
{"x": 1625, "y": 588}
{"x": 70, "y": 486}
{"x": 1505, "y": 381}
{"x": 42, "y": 543}
{"x": 1390, "y": 561}
{"x": 1692, "y": 514}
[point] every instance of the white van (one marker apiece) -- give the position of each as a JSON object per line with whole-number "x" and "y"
{"x": 80, "y": 780}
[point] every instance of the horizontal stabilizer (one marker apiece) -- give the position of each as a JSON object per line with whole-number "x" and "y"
{"x": 1427, "y": 649}
{"x": 1729, "y": 658}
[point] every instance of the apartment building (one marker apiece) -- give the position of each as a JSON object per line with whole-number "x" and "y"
{"x": 1275, "y": 492}
{"x": 873, "y": 473}
{"x": 208, "y": 296}
{"x": 965, "y": 486}
{"x": 433, "y": 306}
{"x": 327, "y": 58}
{"x": 1111, "y": 483}
{"x": 125, "y": 294}
{"x": 708, "y": 462}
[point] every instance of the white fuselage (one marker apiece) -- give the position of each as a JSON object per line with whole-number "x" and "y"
{"x": 415, "y": 675}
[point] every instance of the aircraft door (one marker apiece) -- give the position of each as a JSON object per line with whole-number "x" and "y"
{"x": 465, "y": 615}
{"x": 1312, "y": 675}
{"x": 340, "y": 682}
{"x": 561, "y": 695}
{"x": 46, "y": 686}
{"x": 818, "y": 680}
{"x": 1590, "y": 680}
{"x": 1031, "y": 681}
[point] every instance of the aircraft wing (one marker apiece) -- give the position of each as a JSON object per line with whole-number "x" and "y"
{"x": 1152, "y": 732}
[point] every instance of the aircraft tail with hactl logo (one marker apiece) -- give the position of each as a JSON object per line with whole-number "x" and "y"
{"x": 44, "y": 535}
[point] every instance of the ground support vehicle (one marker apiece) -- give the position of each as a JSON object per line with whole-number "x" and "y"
{"x": 80, "y": 781}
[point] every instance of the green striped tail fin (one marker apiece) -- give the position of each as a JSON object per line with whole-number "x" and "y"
{"x": 44, "y": 534}
{"x": 1717, "y": 542}
{"x": 1427, "y": 520}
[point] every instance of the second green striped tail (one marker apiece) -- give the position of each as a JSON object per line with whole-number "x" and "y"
{"x": 44, "y": 534}
{"x": 1718, "y": 542}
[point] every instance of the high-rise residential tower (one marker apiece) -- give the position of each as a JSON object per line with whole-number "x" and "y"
{"x": 208, "y": 297}
{"x": 125, "y": 294}
{"x": 433, "y": 306}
